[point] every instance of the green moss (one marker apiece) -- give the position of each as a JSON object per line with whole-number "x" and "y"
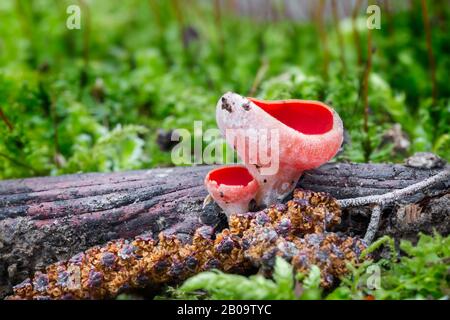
{"x": 140, "y": 73}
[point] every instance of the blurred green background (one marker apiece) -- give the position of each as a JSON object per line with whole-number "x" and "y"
{"x": 106, "y": 97}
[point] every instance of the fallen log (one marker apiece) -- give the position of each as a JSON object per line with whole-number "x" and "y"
{"x": 43, "y": 220}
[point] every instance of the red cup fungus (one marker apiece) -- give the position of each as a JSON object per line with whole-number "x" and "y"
{"x": 232, "y": 188}
{"x": 290, "y": 136}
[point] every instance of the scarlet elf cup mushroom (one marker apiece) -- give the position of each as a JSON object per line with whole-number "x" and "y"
{"x": 232, "y": 187}
{"x": 278, "y": 140}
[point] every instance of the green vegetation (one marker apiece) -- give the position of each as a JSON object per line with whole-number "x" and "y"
{"x": 93, "y": 99}
{"x": 228, "y": 286}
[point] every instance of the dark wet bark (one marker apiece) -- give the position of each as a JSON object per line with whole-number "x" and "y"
{"x": 43, "y": 220}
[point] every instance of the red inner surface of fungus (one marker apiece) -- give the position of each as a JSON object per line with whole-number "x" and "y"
{"x": 306, "y": 117}
{"x": 232, "y": 176}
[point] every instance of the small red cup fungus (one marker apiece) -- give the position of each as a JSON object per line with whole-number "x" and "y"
{"x": 232, "y": 188}
{"x": 300, "y": 134}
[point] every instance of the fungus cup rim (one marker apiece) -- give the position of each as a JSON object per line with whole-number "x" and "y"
{"x": 213, "y": 177}
{"x": 322, "y": 111}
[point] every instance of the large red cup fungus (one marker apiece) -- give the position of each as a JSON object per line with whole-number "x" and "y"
{"x": 232, "y": 188}
{"x": 307, "y": 134}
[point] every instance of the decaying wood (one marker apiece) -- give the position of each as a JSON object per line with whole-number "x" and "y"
{"x": 43, "y": 220}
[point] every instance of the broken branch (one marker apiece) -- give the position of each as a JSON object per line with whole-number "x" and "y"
{"x": 396, "y": 194}
{"x": 373, "y": 224}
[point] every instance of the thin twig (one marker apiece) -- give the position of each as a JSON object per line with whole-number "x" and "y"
{"x": 389, "y": 19}
{"x": 54, "y": 117}
{"x": 431, "y": 61}
{"x": 278, "y": 10}
{"x": 86, "y": 34}
{"x": 19, "y": 163}
{"x": 336, "y": 20}
{"x": 155, "y": 10}
{"x": 86, "y": 41}
{"x": 218, "y": 19}
{"x": 259, "y": 76}
{"x": 323, "y": 37}
{"x": 180, "y": 21}
{"x": 374, "y": 223}
{"x": 26, "y": 22}
{"x": 395, "y": 195}
{"x": 232, "y": 6}
{"x": 356, "y": 37}
{"x": 365, "y": 94}
{"x": 6, "y": 120}
{"x": 346, "y": 6}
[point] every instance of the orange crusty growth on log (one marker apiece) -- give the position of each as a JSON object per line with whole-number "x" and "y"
{"x": 295, "y": 231}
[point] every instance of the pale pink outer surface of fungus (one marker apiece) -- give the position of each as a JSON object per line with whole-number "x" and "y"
{"x": 232, "y": 188}
{"x": 310, "y": 134}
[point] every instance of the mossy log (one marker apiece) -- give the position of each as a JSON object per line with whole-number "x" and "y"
{"x": 43, "y": 220}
